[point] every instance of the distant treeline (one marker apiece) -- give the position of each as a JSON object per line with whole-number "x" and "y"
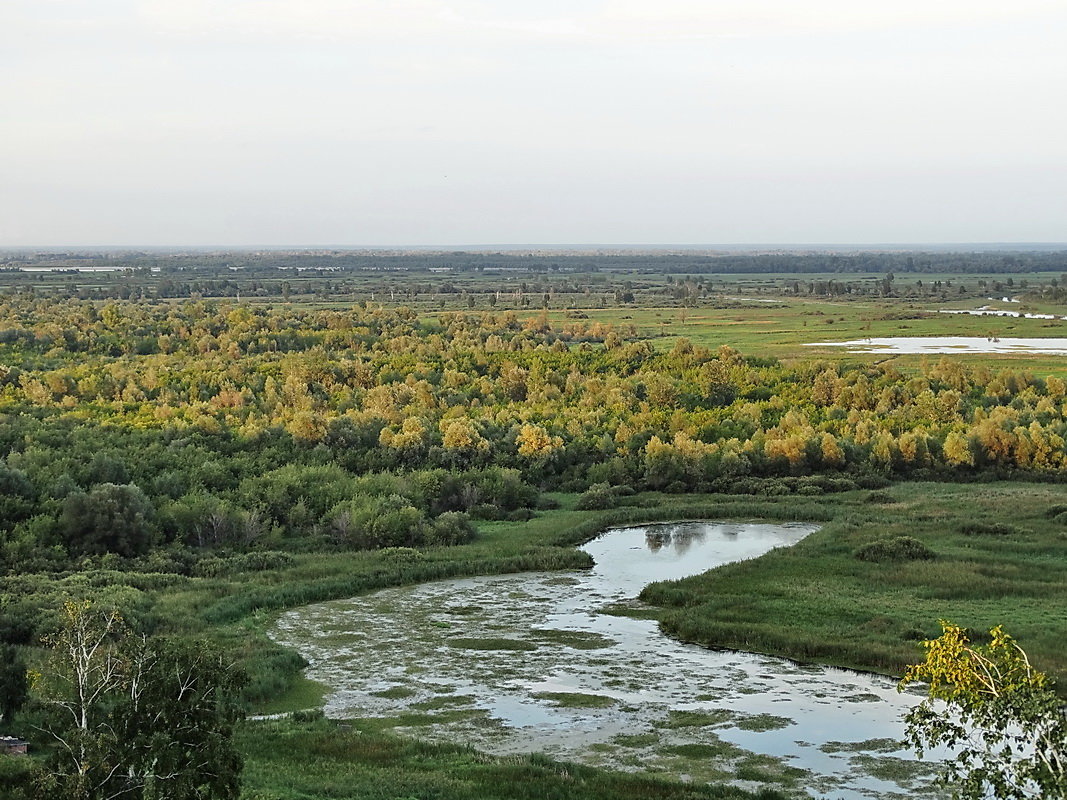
{"x": 272, "y": 264}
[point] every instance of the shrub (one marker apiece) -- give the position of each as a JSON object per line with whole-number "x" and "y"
{"x": 242, "y": 562}
{"x": 899, "y": 548}
{"x": 872, "y": 481}
{"x": 452, "y": 527}
{"x": 110, "y": 518}
{"x": 369, "y": 523}
{"x": 486, "y": 511}
{"x": 988, "y": 529}
{"x": 173, "y": 560}
{"x": 596, "y": 497}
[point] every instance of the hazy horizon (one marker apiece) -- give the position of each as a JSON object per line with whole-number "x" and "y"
{"x": 561, "y": 247}
{"x": 173, "y": 123}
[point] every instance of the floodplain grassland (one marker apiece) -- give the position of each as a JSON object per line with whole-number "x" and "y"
{"x": 999, "y": 557}
{"x": 789, "y": 328}
{"x": 318, "y": 758}
{"x": 861, "y": 592}
{"x": 995, "y": 555}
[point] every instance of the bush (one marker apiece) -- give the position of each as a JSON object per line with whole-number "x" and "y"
{"x": 486, "y": 511}
{"x": 110, "y": 518}
{"x": 174, "y": 560}
{"x": 450, "y": 528}
{"x": 401, "y": 554}
{"x": 18, "y": 623}
{"x": 19, "y": 777}
{"x": 774, "y": 486}
{"x": 242, "y": 562}
{"x": 880, "y": 498}
{"x": 988, "y": 529}
{"x": 596, "y": 497}
{"x": 899, "y": 548}
{"x": 824, "y": 483}
{"x": 872, "y": 481}
{"x": 370, "y": 523}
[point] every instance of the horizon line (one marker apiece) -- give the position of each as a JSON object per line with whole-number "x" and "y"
{"x": 542, "y": 247}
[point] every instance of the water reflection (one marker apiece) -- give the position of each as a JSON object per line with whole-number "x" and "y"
{"x": 678, "y": 537}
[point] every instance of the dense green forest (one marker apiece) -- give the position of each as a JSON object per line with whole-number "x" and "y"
{"x": 134, "y": 430}
{"x": 206, "y": 425}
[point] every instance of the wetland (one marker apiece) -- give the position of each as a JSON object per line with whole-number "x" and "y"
{"x": 568, "y": 664}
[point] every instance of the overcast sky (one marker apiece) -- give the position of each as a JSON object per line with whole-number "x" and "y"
{"x": 391, "y": 122}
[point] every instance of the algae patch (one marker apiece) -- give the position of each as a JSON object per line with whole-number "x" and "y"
{"x": 579, "y": 640}
{"x": 492, "y": 644}
{"x": 576, "y": 699}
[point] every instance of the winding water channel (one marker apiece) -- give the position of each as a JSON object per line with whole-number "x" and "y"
{"x": 544, "y": 662}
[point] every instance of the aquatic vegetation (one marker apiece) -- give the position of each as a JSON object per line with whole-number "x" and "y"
{"x": 576, "y": 699}
{"x": 492, "y": 644}
{"x": 596, "y": 688}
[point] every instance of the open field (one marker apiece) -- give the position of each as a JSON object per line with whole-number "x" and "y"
{"x": 784, "y": 329}
{"x": 998, "y": 557}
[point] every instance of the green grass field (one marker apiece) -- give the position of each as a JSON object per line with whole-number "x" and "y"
{"x": 998, "y": 558}
{"x": 786, "y": 329}
{"x": 318, "y": 758}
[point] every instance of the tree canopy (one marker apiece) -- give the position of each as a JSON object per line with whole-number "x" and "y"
{"x": 999, "y": 716}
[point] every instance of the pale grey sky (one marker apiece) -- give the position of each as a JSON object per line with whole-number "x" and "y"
{"x": 380, "y": 122}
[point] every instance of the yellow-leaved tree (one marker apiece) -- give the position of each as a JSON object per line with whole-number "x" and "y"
{"x": 535, "y": 443}
{"x": 1001, "y": 716}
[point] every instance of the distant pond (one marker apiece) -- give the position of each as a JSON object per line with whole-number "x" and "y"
{"x": 950, "y": 344}
{"x": 543, "y": 662}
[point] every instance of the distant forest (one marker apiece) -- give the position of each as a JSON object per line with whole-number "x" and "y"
{"x": 511, "y": 280}
{"x": 993, "y": 262}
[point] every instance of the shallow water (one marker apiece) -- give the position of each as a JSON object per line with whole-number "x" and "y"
{"x": 986, "y": 311}
{"x": 949, "y": 344}
{"x": 532, "y": 663}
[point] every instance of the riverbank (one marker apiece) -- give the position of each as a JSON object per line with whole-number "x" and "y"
{"x": 314, "y": 757}
{"x": 994, "y": 554}
{"x": 999, "y": 558}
